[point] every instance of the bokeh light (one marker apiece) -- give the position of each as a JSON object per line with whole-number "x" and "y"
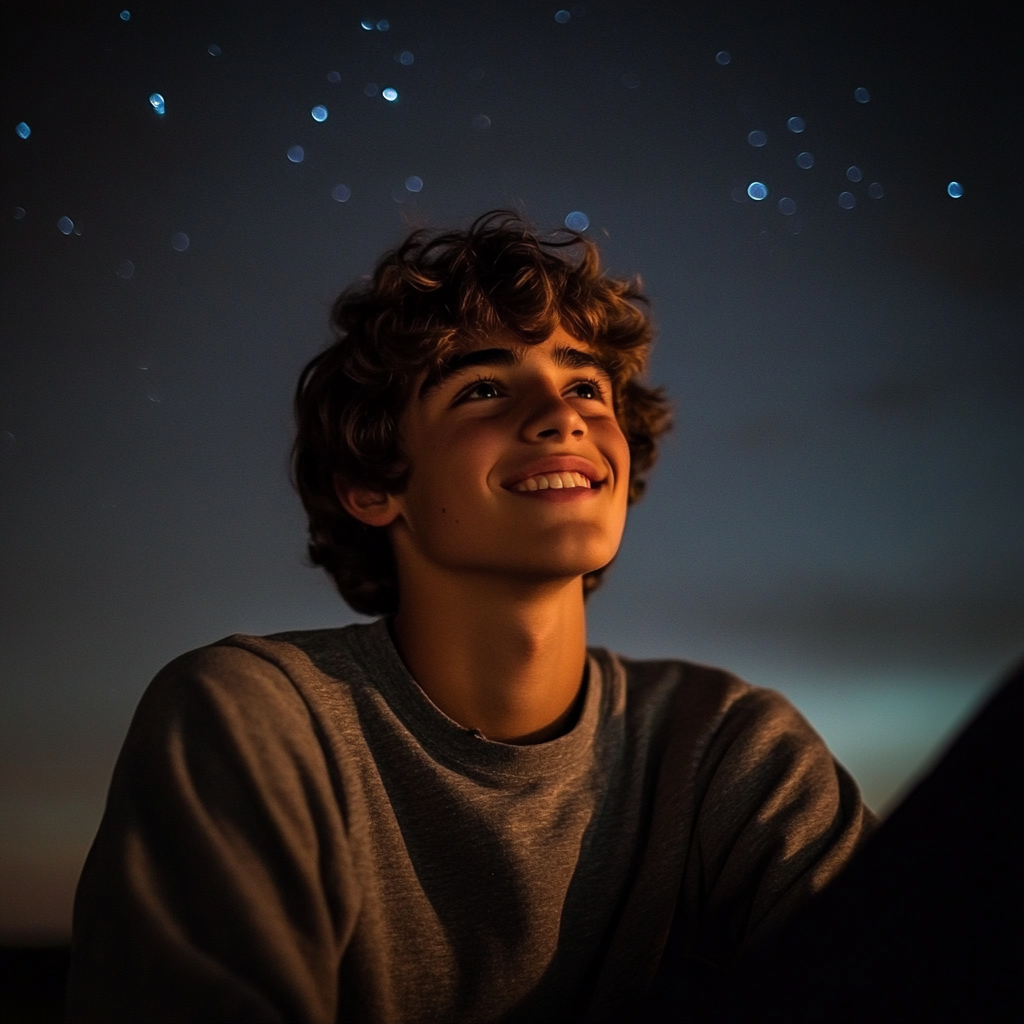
{"x": 126, "y": 15}
{"x": 577, "y": 221}
{"x": 757, "y": 190}
{"x": 390, "y": 94}
{"x": 22, "y": 130}
{"x": 757, "y": 138}
{"x": 319, "y": 113}
{"x": 955, "y": 189}
{"x": 213, "y": 50}
{"x": 787, "y": 206}
{"x": 65, "y": 225}
{"x": 156, "y": 101}
{"x": 19, "y": 212}
{"x": 414, "y": 183}
{"x": 125, "y": 269}
{"x": 296, "y": 154}
{"x": 405, "y": 58}
{"x": 875, "y": 190}
{"x": 341, "y": 193}
{"x": 383, "y": 25}
{"x": 796, "y": 125}
{"x": 367, "y": 24}
{"x": 805, "y": 160}
{"x": 861, "y": 95}
{"x": 481, "y": 122}
{"x": 562, "y": 17}
{"x": 180, "y": 241}
{"x": 853, "y": 173}
{"x": 847, "y": 200}
{"x": 334, "y": 77}
{"x": 723, "y": 57}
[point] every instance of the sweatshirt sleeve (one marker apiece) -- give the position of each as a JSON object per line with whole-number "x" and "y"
{"x": 777, "y": 819}
{"x": 218, "y": 887}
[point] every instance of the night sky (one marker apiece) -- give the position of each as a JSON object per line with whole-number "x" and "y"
{"x": 838, "y": 511}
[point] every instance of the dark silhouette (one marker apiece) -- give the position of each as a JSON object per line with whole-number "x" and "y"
{"x": 927, "y": 922}
{"x": 32, "y": 981}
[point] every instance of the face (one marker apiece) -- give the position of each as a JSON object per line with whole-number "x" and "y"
{"x": 519, "y": 466}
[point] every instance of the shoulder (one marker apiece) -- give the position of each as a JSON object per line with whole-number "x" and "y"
{"x": 684, "y": 695}
{"x": 241, "y": 666}
{"x": 232, "y": 671}
{"x": 685, "y": 680}
{"x": 236, "y": 724}
{"x": 717, "y": 722}
{"x": 690, "y": 689}
{"x": 241, "y": 685}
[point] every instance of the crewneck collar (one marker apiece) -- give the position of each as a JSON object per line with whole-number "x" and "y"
{"x": 447, "y": 741}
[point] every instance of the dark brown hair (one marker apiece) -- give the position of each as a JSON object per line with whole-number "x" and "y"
{"x": 425, "y": 300}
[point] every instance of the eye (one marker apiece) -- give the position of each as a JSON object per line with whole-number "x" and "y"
{"x": 482, "y": 390}
{"x": 586, "y": 389}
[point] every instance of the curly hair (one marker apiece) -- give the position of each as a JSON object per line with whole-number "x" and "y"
{"x": 425, "y": 301}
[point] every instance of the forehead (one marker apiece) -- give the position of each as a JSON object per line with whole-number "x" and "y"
{"x": 474, "y": 341}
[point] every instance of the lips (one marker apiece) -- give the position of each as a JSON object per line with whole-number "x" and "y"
{"x": 557, "y": 472}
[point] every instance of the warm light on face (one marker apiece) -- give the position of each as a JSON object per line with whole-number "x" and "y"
{"x": 519, "y": 465}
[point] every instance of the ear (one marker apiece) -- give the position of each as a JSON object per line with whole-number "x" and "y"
{"x": 369, "y": 506}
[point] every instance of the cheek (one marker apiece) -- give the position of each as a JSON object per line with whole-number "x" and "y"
{"x": 453, "y": 475}
{"x": 474, "y": 451}
{"x": 616, "y": 449}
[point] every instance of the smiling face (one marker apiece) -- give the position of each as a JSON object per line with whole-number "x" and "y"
{"x": 519, "y": 466}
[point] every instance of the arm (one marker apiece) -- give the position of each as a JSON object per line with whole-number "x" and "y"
{"x": 777, "y": 819}
{"x": 218, "y": 887}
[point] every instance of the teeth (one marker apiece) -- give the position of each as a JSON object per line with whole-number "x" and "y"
{"x": 554, "y": 481}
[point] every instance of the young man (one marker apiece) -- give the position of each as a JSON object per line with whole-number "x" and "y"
{"x": 457, "y": 812}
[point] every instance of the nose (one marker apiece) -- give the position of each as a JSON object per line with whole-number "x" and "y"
{"x": 552, "y": 418}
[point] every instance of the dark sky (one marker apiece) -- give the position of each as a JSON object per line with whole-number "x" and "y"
{"x": 838, "y": 512}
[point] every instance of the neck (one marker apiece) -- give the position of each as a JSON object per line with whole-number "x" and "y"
{"x": 505, "y": 658}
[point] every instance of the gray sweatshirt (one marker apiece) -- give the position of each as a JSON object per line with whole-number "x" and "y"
{"x": 294, "y": 832}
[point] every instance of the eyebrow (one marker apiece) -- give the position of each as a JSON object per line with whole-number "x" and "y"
{"x": 564, "y": 356}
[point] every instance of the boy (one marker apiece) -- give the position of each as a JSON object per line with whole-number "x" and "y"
{"x": 457, "y": 812}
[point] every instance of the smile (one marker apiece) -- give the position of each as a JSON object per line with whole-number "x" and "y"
{"x": 552, "y": 481}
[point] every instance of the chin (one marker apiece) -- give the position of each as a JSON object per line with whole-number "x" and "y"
{"x": 567, "y": 567}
